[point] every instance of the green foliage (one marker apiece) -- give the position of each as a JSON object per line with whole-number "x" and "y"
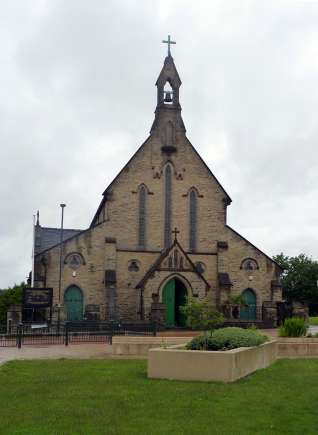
{"x": 201, "y": 315}
{"x": 299, "y": 279}
{"x": 313, "y": 320}
{"x": 226, "y": 339}
{"x": 236, "y": 300}
{"x": 293, "y": 327}
{"x": 9, "y": 296}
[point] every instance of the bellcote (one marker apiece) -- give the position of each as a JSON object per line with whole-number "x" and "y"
{"x": 168, "y": 121}
{"x": 168, "y": 84}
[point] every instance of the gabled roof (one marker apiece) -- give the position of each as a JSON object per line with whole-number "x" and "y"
{"x": 255, "y": 247}
{"x": 46, "y": 238}
{"x": 158, "y": 265}
{"x": 228, "y": 198}
{"x": 107, "y": 190}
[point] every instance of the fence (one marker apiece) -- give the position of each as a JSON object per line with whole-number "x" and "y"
{"x": 245, "y": 316}
{"x": 71, "y": 333}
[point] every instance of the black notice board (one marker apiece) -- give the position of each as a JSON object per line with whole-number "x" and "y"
{"x": 37, "y": 297}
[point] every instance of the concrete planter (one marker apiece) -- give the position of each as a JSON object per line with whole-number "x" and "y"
{"x": 139, "y": 346}
{"x": 194, "y": 365}
{"x": 297, "y": 347}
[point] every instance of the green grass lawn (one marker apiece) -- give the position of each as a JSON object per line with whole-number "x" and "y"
{"x": 115, "y": 397}
{"x": 313, "y": 320}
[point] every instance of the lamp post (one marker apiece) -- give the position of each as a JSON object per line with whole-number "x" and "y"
{"x": 60, "y": 271}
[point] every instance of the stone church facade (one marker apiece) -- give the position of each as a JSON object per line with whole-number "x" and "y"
{"x": 160, "y": 234}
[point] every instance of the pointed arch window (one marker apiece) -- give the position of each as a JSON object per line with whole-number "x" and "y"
{"x": 142, "y": 217}
{"x": 192, "y": 220}
{"x": 168, "y": 205}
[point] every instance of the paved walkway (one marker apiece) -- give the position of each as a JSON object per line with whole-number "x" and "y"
{"x": 55, "y": 351}
{"x": 84, "y": 351}
{"x": 313, "y": 329}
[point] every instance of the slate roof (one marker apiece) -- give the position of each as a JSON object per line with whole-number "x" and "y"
{"x": 46, "y": 238}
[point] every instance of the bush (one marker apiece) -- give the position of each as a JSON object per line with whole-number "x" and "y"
{"x": 201, "y": 314}
{"x": 293, "y": 327}
{"x": 226, "y": 339}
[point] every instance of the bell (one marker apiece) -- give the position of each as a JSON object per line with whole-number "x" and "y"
{"x": 168, "y": 98}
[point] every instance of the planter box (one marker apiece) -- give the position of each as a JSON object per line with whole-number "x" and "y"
{"x": 297, "y": 347}
{"x": 139, "y": 346}
{"x": 196, "y": 365}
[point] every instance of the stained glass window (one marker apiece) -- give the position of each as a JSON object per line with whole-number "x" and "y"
{"x": 168, "y": 201}
{"x": 142, "y": 217}
{"x": 192, "y": 220}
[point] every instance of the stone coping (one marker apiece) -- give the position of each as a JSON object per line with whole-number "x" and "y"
{"x": 200, "y": 365}
{"x": 140, "y": 345}
{"x": 297, "y": 340}
{"x": 297, "y": 347}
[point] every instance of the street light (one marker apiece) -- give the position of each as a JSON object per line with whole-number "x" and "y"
{"x": 60, "y": 272}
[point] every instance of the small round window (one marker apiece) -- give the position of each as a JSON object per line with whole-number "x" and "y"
{"x": 200, "y": 267}
{"x": 74, "y": 261}
{"x": 133, "y": 266}
{"x": 249, "y": 264}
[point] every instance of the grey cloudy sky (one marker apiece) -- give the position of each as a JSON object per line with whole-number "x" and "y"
{"x": 77, "y": 98}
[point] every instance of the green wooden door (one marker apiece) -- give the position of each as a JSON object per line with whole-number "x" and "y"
{"x": 73, "y": 301}
{"x": 181, "y": 299}
{"x": 168, "y": 298}
{"x": 248, "y": 312}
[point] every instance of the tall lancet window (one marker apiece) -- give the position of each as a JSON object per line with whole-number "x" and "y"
{"x": 192, "y": 220}
{"x": 142, "y": 217}
{"x": 168, "y": 205}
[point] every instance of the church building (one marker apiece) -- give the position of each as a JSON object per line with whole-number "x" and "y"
{"x": 159, "y": 235}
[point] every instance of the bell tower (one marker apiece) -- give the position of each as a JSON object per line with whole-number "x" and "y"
{"x": 168, "y": 122}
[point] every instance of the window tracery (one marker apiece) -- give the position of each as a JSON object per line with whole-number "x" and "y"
{"x": 74, "y": 260}
{"x": 249, "y": 264}
{"x": 168, "y": 204}
{"x": 142, "y": 217}
{"x": 192, "y": 220}
{"x": 133, "y": 266}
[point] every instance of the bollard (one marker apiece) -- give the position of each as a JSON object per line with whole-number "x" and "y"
{"x": 19, "y": 335}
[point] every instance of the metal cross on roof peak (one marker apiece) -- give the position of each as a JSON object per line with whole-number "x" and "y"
{"x": 175, "y": 232}
{"x": 169, "y": 42}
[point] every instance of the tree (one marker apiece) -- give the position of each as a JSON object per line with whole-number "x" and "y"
{"x": 8, "y": 297}
{"x": 201, "y": 314}
{"x": 299, "y": 278}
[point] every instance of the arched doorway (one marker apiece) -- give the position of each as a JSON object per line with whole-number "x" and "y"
{"x": 249, "y": 311}
{"x": 73, "y": 301}
{"x": 174, "y": 295}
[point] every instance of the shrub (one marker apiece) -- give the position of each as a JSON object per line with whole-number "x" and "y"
{"x": 236, "y": 300}
{"x": 201, "y": 314}
{"x": 226, "y": 339}
{"x": 293, "y": 327}
{"x": 201, "y": 342}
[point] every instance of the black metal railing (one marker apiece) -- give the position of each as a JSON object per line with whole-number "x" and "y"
{"x": 71, "y": 333}
{"x": 245, "y": 316}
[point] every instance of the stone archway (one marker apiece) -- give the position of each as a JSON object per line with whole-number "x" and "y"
{"x": 174, "y": 296}
{"x": 73, "y": 302}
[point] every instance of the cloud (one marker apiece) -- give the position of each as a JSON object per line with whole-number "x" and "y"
{"x": 78, "y": 96}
